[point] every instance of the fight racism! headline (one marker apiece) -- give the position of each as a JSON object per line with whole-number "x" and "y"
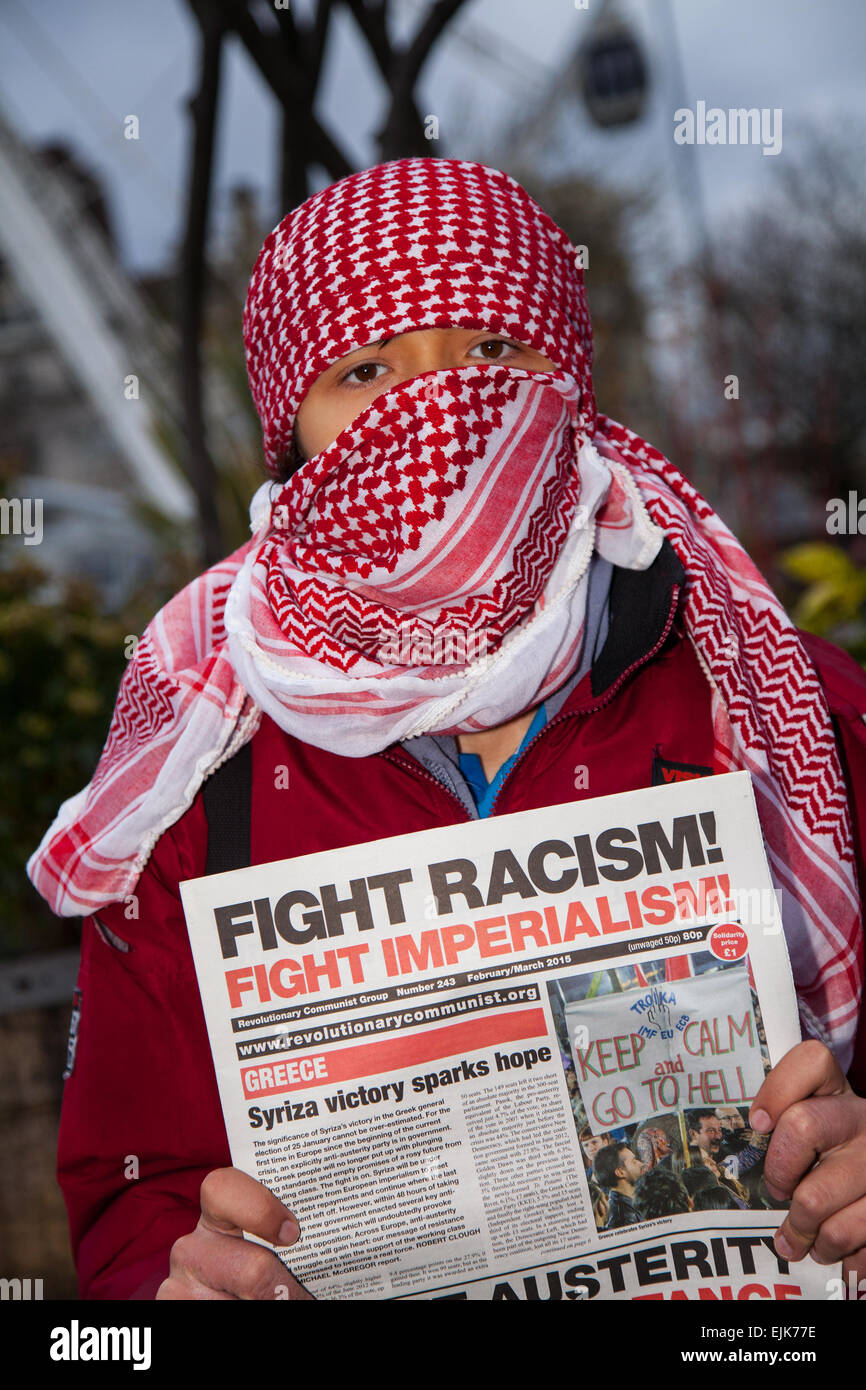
{"x": 301, "y": 917}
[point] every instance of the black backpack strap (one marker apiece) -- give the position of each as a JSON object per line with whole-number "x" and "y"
{"x": 227, "y": 796}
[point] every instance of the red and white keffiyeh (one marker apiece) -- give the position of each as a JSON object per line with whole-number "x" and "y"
{"x": 427, "y": 571}
{"x": 415, "y": 577}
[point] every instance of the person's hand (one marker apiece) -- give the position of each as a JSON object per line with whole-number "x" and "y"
{"x": 215, "y": 1261}
{"x": 755, "y": 1140}
{"x": 816, "y": 1157}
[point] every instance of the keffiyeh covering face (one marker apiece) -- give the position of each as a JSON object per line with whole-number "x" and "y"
{"x": 426, "y": 572}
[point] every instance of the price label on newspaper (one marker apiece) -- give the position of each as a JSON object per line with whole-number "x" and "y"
{"x": 513, "y": 1059}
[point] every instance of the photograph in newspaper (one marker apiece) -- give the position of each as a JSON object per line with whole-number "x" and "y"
{"x": 512, "y": 1058}
{"x": 659, "y": 1060}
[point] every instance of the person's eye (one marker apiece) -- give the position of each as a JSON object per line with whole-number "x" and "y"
{"x": 365, "y": 373}
{"x": 494, "y": 349}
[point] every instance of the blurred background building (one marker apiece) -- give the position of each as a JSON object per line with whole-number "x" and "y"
{"x": 145, "y": 151}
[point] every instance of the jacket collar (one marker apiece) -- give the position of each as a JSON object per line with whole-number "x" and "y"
{"x": 626, "y": 620}
{"x": 640, "y": 607}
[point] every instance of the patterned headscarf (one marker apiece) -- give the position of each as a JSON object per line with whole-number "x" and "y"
{"x": 417, "y": 243}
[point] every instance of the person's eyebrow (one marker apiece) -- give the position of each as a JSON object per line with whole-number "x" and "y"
{"x": 366, "y": 348}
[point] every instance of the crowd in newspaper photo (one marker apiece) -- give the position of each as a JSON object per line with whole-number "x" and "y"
{"x": 700, "y": 1156}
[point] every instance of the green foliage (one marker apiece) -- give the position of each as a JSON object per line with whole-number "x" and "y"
{"x": 60, "y": 664}
{"x": 61, "y": 660}
{"x": 833, "y": 603}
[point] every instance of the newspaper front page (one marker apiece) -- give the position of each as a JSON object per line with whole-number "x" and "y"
{"x": 513, "y": 1058}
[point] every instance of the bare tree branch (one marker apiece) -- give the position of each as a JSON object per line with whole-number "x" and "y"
{"x": 289, "y": 83}
{"x": 402, "y": 132}
{"x": 305, "y": 48}
{"x": 316, "y": 38}
{"x": 372, "y": 20}
{"x": 415, "y": 56}
{"x": 203, "y": 108}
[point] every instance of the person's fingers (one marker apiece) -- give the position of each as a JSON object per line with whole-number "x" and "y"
{"x": 841, "y": 1235}
{"x": 232, "y": 1202}
{"x": 854, "y": 1274}
{"x": 805, "y": 1131}
{"x": 215, "y": 1261}
{"x": 240, "y": 1268}
{"x": 809, "y": 1069}
{"x": 833, "y": 1184}
{"x": 756, "y": 1140}
{"x": 174, "y": 1291}
{"x": 183, "y": 1290}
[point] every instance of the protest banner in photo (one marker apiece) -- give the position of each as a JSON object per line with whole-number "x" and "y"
{"x": 674, "y": 1046}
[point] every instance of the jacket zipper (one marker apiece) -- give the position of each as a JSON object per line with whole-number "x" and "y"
{"x": 415, "y": 770}
{"x": 605, "y": 698}
{"x": 424, "y": 775}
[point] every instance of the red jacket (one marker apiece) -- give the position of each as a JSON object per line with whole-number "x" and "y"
{"x": 141, "y": 1123}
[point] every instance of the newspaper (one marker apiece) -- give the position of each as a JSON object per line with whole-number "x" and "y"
{"x": 512, "y": 1058}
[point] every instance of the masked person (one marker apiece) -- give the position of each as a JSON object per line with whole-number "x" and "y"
{"x": 463, "y": 582}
